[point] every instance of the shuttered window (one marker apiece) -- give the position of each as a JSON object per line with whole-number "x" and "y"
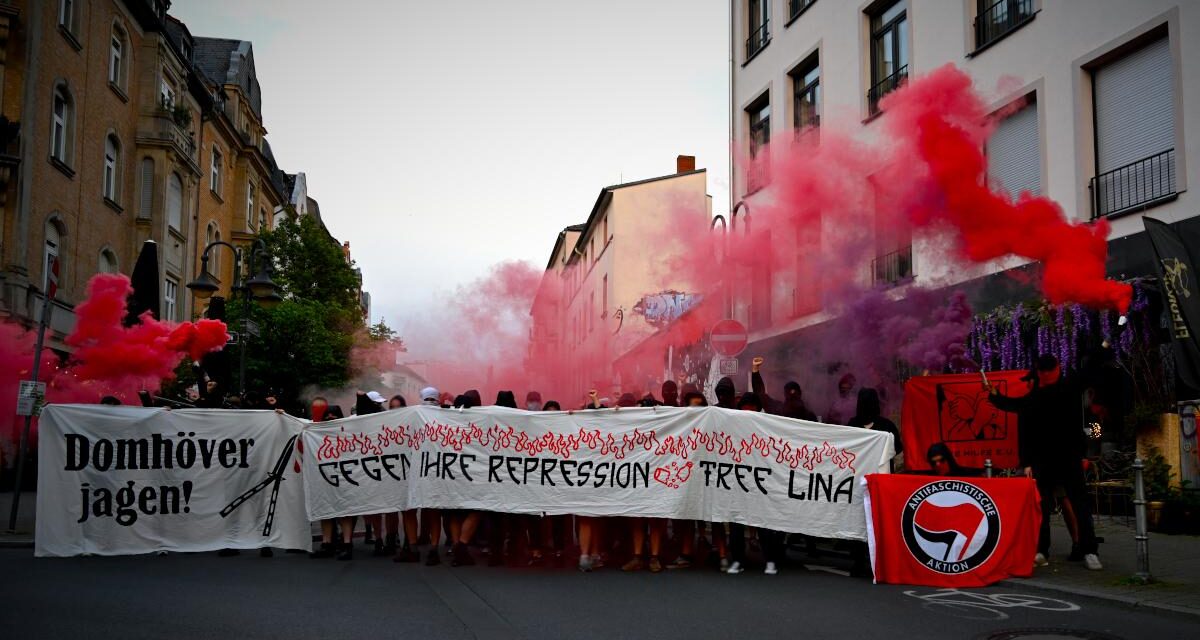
{"x": 1135, "y": 129}
{"x": 175, "y": 202}
{"x": 146, "y": 195}
{"x": 1014, "y": 155}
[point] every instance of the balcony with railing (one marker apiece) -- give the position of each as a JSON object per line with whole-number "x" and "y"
{"x": 892, "y": 268}
{"x": 1137, "y": 185}
{"x": 884, "y": 87}
{"x": 999, "y": 19}
{"x": 758, "y": 39}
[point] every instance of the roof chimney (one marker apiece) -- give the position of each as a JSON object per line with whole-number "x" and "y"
{"x": 683, "y": 164}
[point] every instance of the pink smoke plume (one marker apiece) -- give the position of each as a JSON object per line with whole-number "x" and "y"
{"x": 108, "y": 358}
{"x": 837, "y": 198}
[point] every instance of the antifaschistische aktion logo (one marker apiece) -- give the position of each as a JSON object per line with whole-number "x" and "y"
{"x": 951, "y": 526}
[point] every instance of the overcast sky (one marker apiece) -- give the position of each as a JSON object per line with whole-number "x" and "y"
{"x": 442, "y": 138}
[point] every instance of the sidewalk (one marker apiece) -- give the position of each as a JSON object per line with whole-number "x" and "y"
{"x": 1174, "y": 564}
{"x": 23, "y": 536}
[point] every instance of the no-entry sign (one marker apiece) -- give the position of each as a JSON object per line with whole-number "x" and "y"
{"x": 728, "y": 338}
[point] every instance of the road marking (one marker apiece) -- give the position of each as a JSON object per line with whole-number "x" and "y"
{"x": 821, "y": 567}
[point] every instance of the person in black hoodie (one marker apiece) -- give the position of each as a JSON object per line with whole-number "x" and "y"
{"x": 1052, "y": 446}
{"x": 384, "y": 543}
{"x": 792, "y": 405}
{"x": 868, "y": 415}
{"x": 772, "y": 541}
{"x": 942, "y": 463}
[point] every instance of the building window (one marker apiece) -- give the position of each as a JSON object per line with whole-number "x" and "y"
{"x": 806, "y": 294}
{"x": 62, "y": 126}
{"x": 797, "y": 7}
{"x": 760, "y": 138}
{"x": 175, "y": 202}
{"x": 262, "y": 219}
{"x": 116, "y": 59}
{"x": 214, "y": 172}
{"x": 170, "y": 295}
{"x": 112, "y": 163}
{"x": 591, "y": 311}
{"x": 213, "y": 234}
{"x": 50, "y": 252}
{"x": 1014, "y": 154}
{"x": 146, "y": 193}
{"x": 995, "y": 18}
{"x": 604, "y": 297}
{"x": 166, "y": 94}
{"x": 249, "y": 206}
{"x": 68, "y": 19}
{"x": 759, "y": 15}
{"x": 806, "y": 95}
{"x": 108, "y": 262}
{"x": 1134, "y": 102}
{"x": 889, "y": 52}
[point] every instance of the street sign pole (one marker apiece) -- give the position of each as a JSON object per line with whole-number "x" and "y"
{"x": 22, "y": 449}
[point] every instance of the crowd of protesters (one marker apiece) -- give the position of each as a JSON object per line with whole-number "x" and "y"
{"x": 1051, "y": 449}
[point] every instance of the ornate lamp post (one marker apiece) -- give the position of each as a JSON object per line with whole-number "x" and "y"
{"x": 260, "y": 288}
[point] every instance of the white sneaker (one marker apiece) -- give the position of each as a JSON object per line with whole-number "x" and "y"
{"x": 734, "y": 567}
{"x": 585, "y": 563}
{"x": 724, "y": 565}
{"x": 771, "y": 569}
{"x": 1092, "y": 562}
{"x": 1040, "y": 560}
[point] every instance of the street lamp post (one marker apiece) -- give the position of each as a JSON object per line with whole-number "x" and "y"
{"x": 259, "y": 288}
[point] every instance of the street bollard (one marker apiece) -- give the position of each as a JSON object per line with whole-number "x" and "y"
{"x": 987, "y": 467}
{"x": 1141, "y": 538}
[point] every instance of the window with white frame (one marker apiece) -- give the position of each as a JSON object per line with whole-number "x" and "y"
{"x": 262, "y": 219}
{"x": 108, "y": 262}
{"x": 759, "y": 115}
{"x": 214, "y": 171}
{"x": 116, "y": 58}
{"x": 112, "y": 155}
{"x": 170, "y": 297}
{"x": 50, "y": 251}
{"x": 61, "y": 125}
{"x": 175, "y": 202}
{"x": 249, "y": 206}
{"x": 166, "y": 93}
{"x": 806, "y": 95}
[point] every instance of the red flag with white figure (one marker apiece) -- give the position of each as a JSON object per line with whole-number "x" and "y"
{"x": 951, "y": 532}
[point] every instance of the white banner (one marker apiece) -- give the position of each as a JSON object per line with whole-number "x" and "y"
{"x": 708, "y": 464}
{"x": 126, "y": 480}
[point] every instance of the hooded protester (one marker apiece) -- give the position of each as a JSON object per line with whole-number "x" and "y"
{"x": 843, "y": 407}
{"x": 627, "y": 400}
{"x": 368, "y": 403}
{"x": 868, "y": 415}
{"x": 505, "y": 399}
{"x": 726, "y": 393}
{"x": 670, "y": 394}
{"x": 430, "y": 397}
{"x": 463, "y": 524}
{"x": 476, "y": 400}
{"x": 533, "y": 401}
{"x": 792, "y": 405}
{"x": 772, "y": 541}
{"x": 1052, "y": 447}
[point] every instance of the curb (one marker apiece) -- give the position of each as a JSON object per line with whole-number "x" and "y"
{"x": 1131, "y": 601}
{"x": 18, "y": 543}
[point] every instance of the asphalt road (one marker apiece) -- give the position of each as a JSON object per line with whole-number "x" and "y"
{"x": 183, "y": 596}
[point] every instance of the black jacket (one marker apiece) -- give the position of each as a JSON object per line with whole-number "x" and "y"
{"x": 880, "y": 423}
{"x": 1051, "y": 432}
{"x": 787, "y": 407}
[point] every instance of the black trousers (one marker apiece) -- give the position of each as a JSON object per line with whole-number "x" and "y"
{"x": 1068, "y": 475}
{"x": 772, "y": 543}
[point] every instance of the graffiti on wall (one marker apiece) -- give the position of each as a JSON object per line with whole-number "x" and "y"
{"x": 663, "y": 308}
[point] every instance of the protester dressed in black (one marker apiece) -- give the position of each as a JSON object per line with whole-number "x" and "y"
{"x": 1052, "y": 447}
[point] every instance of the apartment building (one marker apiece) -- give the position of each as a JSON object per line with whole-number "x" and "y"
{"x": 605, "y": 276}
{"x": 1096, "y": 95}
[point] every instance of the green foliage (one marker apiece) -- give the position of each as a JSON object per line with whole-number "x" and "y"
{"x": 1157, "y": 475}
{"x": 307, "y": 339}
{"x": 380, "y": 332}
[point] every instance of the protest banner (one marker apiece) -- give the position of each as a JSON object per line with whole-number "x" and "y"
{"x": 951, "y": 532}
{"x": 954, "y": 409}
{"x": 127, "y": 480}
{"x": 701, "y": 463}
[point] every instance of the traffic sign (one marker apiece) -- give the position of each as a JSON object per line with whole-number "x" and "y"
{"x": 729, "y": 366}
{"x": 233, "y": 337}
{"x": 250, "y": 327}
{"x": 29, "y": 396}
{"x": 728, "y": 338}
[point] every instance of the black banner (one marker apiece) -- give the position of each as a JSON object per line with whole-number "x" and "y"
{"x": 1181, "y": 297}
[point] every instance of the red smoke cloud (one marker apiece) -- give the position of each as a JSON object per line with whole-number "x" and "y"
{"x": 837, "y": 198}
{"x": 108, "y": 358}
{"x": 945, "y": 120}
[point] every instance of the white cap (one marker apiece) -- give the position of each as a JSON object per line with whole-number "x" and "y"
{"x": 374, "y": 396}
{"x": 429, "y": 393}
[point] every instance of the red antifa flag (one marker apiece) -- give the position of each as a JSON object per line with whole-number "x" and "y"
{"x": 954, "y": 409}
{"x": 951, "y": 532}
